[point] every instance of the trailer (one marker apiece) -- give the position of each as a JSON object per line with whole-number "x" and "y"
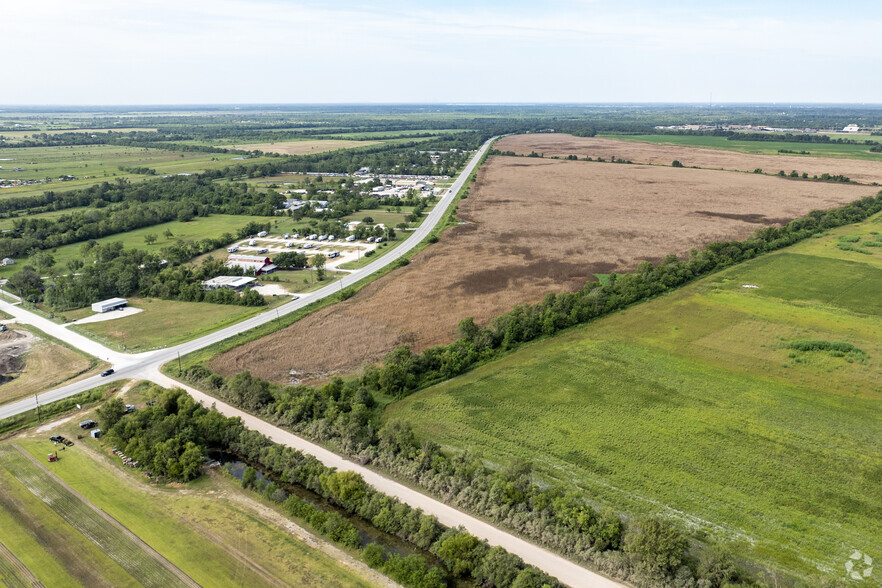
{"x": 261, "y": 234}
{"x": 350, "y": 238}
{"x": 333, "y": 254}
{"x": 232, "y": 249}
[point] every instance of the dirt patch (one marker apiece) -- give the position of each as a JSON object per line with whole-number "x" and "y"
{"x": 303, "y": 147}
{"x": 13, "y": 346}
{"x": 554, "y": 144}
{"x": 533, "y": 226}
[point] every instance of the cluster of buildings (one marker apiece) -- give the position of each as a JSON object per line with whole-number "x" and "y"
{"x": 259, "y": 264}
{"x": 852, "y": 128}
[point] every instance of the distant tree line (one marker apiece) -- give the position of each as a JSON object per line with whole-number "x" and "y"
{"x": 171, "y": 439}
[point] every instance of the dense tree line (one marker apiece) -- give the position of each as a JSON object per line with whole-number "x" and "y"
{"x": 344, "y": 414}
{"x": 44, "y": 233}
{"x": 171, "y": 438}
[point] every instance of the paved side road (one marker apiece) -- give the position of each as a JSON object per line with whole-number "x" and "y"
{"x": 563, "y": 569}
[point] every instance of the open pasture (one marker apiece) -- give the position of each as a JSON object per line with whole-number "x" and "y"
{"x": 712, "y": 157}
{"x": 531, "y": 226}
{"x": 92, "y": 164}
{"x": 304, "y": 147}
{"x": 703, "y": 407}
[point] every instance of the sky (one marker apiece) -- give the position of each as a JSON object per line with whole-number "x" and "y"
{"x": 496, "y": 51}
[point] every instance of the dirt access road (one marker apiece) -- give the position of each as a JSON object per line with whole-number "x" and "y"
{"x": 531, "y": 226}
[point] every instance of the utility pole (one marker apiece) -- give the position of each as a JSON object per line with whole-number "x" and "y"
{"x": 278, "y": 319}
{"x": 180, "y": 371}
{"x": 37, "y": 400}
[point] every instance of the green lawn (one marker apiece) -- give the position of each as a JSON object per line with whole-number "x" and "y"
{"x": 691, "y": 407}
{"x": 199, "y": 228}
{"x": 200, "y": 528}
{"x": 760, "y": 147}
{"x": 169, "y": 322}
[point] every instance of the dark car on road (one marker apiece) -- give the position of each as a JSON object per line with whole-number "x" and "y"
{"x": 106, "y": 372}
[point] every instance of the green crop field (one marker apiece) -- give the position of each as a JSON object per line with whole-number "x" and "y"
{"x": 169, "y": 322}
{"x": 202, "y": 528}
{"x": 845, "y": 151}
{"x": 707, "y": 406}
{"x": 199, "y": 228}
{"x": 109, "y": 538}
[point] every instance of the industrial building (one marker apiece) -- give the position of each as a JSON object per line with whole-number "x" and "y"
{"x": 236, "y": 283}
{"x": 109, "y": 304}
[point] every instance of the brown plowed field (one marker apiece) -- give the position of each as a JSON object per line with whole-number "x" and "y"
{"x": 555, "y": 144}
{"x": 533, "y": 226}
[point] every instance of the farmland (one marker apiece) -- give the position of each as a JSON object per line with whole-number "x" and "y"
{"x": 549, "y": 145}
{"x": 209, "y": 531}
{"x": 715, "y": 406}
{"x": 304, "y": 147}
{"x": 525, "y": 233}
{"x": 840, "y": 150}
{"x": 91, "y": 164}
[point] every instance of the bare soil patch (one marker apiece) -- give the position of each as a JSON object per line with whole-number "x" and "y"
{"x": 304, "y": 147}
{"x": 29, "y": 364}
{"x": 532, "y": 226}
{"x": 555, "y": 144}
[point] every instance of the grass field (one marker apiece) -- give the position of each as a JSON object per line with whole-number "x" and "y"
{"x": 169, "y": 322}
{"x": 108, "y": 537}
{"x": 91, "y": 164}
{"x": 304, "y": 147}
{"x": 694, "y": 407}
{"x": 761, "y": 147}
{"x": 199, "y": 228}
{"x": 204, "y": 528}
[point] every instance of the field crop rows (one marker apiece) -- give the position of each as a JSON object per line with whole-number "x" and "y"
{"x": 109, "y": 537}
{"x": 696, "y": 407}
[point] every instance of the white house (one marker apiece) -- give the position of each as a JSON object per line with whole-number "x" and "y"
{"x": 851, "y": 128}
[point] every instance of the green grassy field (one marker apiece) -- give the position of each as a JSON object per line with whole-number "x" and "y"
{"x": 110, "y": 539}
{"x": 693, "y": 407}
{"x": 91, "y": 164}
{"x": 199, "y": 228}
{"x": 201, "y": 528}
{"x": 845, "y": 151}
{"x": 169, "y": 322}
